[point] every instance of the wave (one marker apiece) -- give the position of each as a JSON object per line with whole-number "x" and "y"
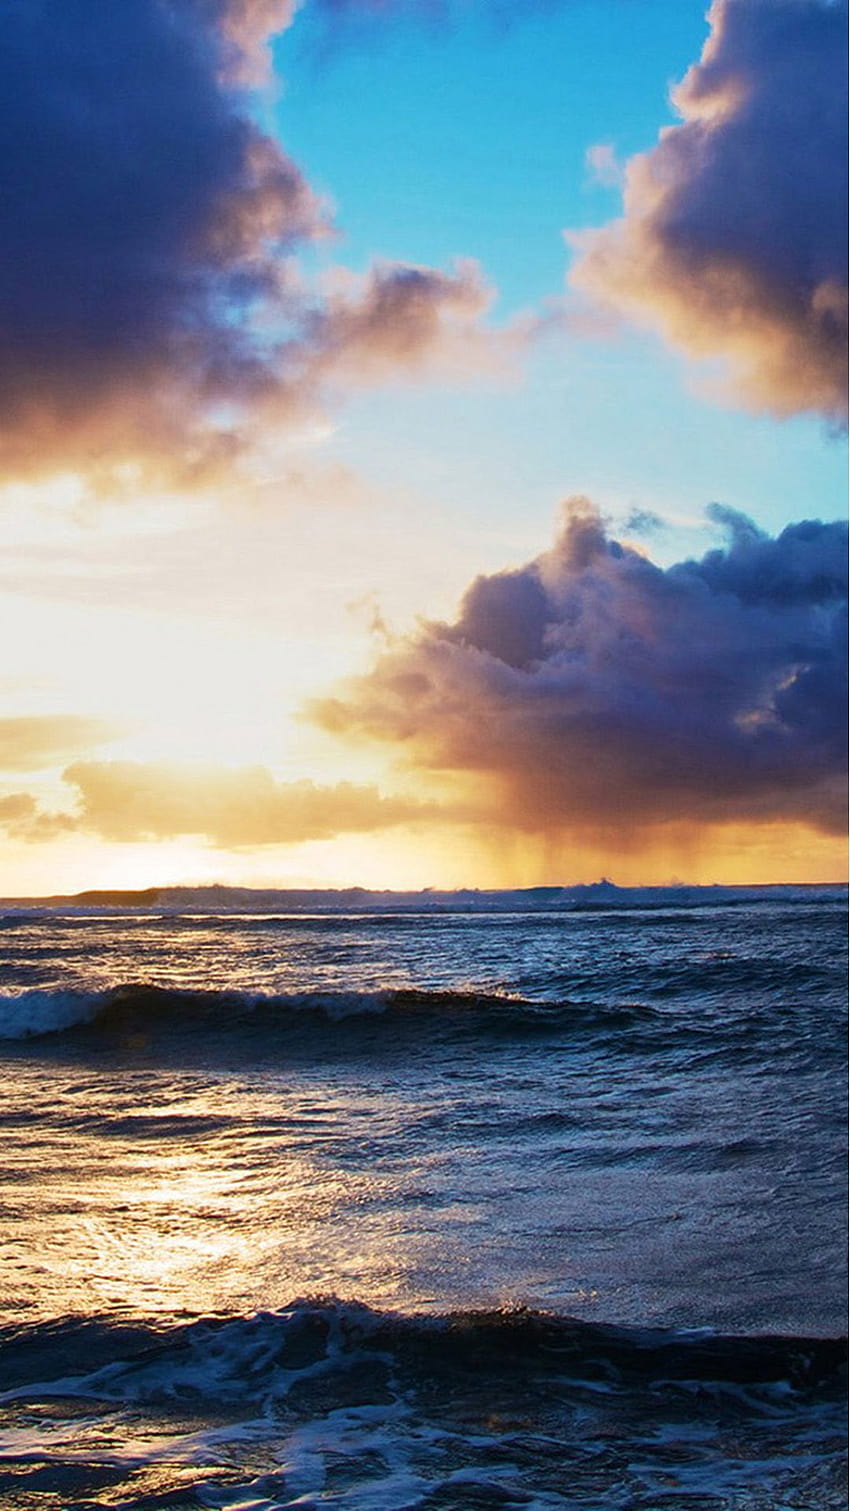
{"x": 121, "y": 1009}
{"x": 331, "y": 1403}
{"x": 261, "y": 1356}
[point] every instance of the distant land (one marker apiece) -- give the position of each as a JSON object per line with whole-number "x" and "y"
{"x": 595, "y": 895}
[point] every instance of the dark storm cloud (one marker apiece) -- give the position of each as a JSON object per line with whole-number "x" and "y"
{"x": 733, "y": 241}
{"x": 598, "y": 690}
{"x": 150, "y": 314}
{"x": 143, "y": 214}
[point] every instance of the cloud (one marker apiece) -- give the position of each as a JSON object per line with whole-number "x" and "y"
{"x": 733, "y": 241}
{"x": 22, "y": 819}
{"x": 144, "y": 217}
{"x": 603, "y": 166}
{"x": 245, "y": 27}
{"x": 241, "y": 808}
{"x": 39, "y": 741}
{"x": 153, "y": 321}
{"x": 403, "y": 317}
{"x": 594, "y": 690}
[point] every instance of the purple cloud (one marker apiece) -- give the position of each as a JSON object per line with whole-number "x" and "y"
{"x": 733, "y": 240}
{"x": 594, "y": 689}
{"x": 151, "y": 317}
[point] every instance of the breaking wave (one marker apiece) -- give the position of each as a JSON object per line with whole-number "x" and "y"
{"x": 331, "y": 1403}
{"x": 265, "y": 1355}
{"x": 37, "y": 1012}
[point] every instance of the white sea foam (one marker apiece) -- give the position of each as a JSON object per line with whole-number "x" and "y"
{"x": 280, "y": 1437}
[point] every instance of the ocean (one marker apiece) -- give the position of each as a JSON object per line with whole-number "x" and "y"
{"x": 424, "y": 1202}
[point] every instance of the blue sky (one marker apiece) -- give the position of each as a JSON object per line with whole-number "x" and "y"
{"x": 438, "y": 140}
{"x": 470, "y": 138}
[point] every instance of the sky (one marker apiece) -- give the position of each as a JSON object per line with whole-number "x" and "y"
{"x": 423, "y": 443}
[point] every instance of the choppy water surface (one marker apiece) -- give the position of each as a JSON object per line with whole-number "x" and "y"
{"x": 253, "y": 1163}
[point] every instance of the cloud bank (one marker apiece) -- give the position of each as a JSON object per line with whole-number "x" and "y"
{"x": 733, "y": 241}
{"x": 594, "y": 690}
{"x": 243, "y": 808}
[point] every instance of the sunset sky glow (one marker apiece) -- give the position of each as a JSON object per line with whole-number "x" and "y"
{"x": 423, "y": 443}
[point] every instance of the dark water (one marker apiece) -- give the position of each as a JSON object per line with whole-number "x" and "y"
{"x": 417, "y": 1209}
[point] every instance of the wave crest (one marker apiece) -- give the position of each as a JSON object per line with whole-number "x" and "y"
{"x": 265, "y": 1354}
{"x": 38, "y": 1012}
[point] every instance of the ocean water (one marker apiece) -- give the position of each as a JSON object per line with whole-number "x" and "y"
{"x": 531, "y": 1200}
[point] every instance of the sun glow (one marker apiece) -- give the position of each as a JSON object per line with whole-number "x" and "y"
{"x": 328, "y": 498}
